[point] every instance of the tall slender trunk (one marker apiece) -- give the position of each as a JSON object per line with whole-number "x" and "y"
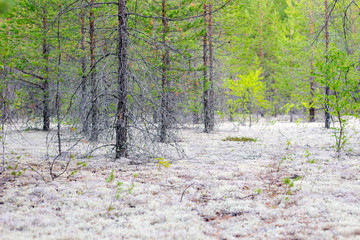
{"x": 45, "y": 86}
{"x": 164, "y": 108}
{"x": 84, "y": 120}
{"x": 211, "y": 74}
{"x": 105, "y": 80}
{"x": 312, "y": 78}
{"x": 195, "y": 88}
{"x": 5, "y": 90}
{"x": 206, "y": 80}
{"x": 261, "y": 50}
{"x": 122, "y": 108}
{"x": 327, "y": 88}
{"x": 94, "y": 102}
{"x": 58, "y": 96}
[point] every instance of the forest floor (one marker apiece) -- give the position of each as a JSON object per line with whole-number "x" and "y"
{"x": 288, "y": 184}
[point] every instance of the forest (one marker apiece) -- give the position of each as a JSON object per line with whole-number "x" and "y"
{"x": 179, "y": 119}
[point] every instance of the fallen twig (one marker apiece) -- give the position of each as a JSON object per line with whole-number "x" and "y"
{"x": 183, "y": 193}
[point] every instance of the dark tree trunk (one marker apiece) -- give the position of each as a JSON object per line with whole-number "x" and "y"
{"x": 327, "y": 88}
{"x": 122, "y": 109}
{"x": 45, "y": 87}
{"x": 164, "y": 108}
{"x": 205, "y": 80}
{"x": 84, "y": 119}
{"x": 94, "y": 102}
{"x": 312, "y": 109}
{"x": 312, "y": 79}
{"x": 211, "y": 75}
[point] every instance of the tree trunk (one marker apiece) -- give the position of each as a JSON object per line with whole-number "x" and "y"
{"x": 45, "y": 86}
{"x": 58, "y": 96}
{"x": 261, "y": 50}
{"x": 327, "y": 88}
{"x": 195, "y": 115}
{"x": 211, "y": 74}
{"x": 94, "y": 102}
{"x": 84, "y": 119}
{"x": 164, "y": 108}
{"x": 312, "y": 78}
{"x": 122, "y": 109}
{"x": 206, "y": 81}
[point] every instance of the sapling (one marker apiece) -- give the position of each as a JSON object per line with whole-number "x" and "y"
{"x": 342, "y": 80}
{"x": 120, "y": 187}
{"x": 246, "y": 92}
{"x": 162, "y": 162}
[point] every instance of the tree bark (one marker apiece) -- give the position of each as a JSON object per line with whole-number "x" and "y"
{"x": 206, "y": 81}
{"x": 94, "y": 102}
{"x": 122, "y": 109}
{"x": 45, "y": 86}
{"x": 164, "y": 108}
{"x": 327, "y": 88}
{"x": 312, "y": 79}
{"x": 84, "y": 119}
{"x": 195, "y": 115}
{"x": 211, "y": 74}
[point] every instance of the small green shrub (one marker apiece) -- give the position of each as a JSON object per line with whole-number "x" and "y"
{"x": 240, "y": 139}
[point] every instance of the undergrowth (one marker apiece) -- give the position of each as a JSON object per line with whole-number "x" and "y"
{"x": 240, "y": 139}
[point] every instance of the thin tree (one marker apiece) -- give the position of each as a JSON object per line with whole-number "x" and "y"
{"x": 312, "y": 78}
{"x": 45, "y": 78}
{"x": 94, "y": 102}
{"x": 205, "y": 78}
{"x": 327, "y": 88}
{"x": 122, "y": 108}
{"x": 211, "y": 73}
{"x": 83, "y": 70}
{"x": 164, "y": 108}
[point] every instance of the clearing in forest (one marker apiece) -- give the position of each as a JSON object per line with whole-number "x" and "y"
{"x": 286, "y": 183}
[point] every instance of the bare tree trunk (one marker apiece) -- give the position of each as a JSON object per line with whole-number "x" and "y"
{"x": 206, "y": 81}
{"x": 57, "y": 97}
{"x": 94, "y": 102}
{"x": 164, "y": 108}
{"x": 84, "y": 120}
{"x": 122, "y": 109}
{"x": 211, "y": 74}
{"x": 195, "y": 86}
{"x": 45, "y": 87}
{"x": 327, "y": 88}
{"x": 107, "y": 89}
{"x": 312, "y": 79}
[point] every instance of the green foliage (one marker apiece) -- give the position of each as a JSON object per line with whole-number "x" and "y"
{"x": 338, "y": 72}
{"x": 162, "y": 163}
{"x": 5, "y": 6}
{"x": 120, "y": 187}
{"x": 245, "y": 92}
{"x": 16, "y": 170}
